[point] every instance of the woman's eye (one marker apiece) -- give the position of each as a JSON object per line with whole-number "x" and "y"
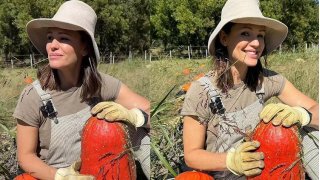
{"x": 49, "y": 38}
{"x": 245, "y": 34}
{"x": 64, "y": 39}
{"x": 260, "y": 36}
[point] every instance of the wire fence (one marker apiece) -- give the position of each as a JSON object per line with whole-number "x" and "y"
{"x": 153, "y": 54}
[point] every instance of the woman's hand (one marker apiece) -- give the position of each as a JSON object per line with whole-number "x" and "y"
{"x": 285, "y": 115}
{"x": 241, "y": 161}
{"x": 111, "y": 111}
{"x": 72, "y": 172}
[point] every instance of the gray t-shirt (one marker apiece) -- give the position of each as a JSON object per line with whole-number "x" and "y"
{"x": 66, "y": 102}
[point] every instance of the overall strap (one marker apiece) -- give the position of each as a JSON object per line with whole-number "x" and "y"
{"x": 260, "y": 93}
{"x": 216, "y": 104}
{"x": 48, "y": 108}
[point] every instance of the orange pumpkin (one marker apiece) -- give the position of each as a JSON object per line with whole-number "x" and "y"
{"x": 282, "y": 149}
{"x": 186, "y": 71}
{"x": 193, "y": 175}
{"x": 105, "y": 151}
{"x": 28, "y": 80}
{"x": 186, "y": 86}
{"x": 25, "y": 176}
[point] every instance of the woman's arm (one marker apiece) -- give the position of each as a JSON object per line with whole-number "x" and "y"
{"x": 293, "y": 97}
{"x": 129, "y": 99}
{"x": 27, "y": 139}
{"x": 195, "y": 155}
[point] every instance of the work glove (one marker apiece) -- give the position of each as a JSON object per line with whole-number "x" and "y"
{"x": 241, "y": 161}
{"x": 285, "y": 115}
{"x": 72, "y": 173}
{"x": 112, "y": 111}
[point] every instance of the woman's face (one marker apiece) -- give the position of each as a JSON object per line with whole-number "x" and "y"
{"x": 65, "y": 49}
{"x": 245, "y": 43}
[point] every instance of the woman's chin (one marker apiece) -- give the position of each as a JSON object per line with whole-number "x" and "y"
{"x": 251, "y": 63}
{"x": 55, "y": 66}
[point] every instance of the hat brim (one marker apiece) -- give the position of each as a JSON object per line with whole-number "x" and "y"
{"x": 276, "y": 31}
{"x": 37, "y": 32}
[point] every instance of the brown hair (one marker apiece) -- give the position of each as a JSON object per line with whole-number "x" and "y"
{"x": 89, "y": 78}
{"x": 222, "y": 66}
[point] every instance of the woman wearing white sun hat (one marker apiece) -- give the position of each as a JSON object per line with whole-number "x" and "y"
{"x": 220, "y": 108}
{"x": 53, "y": 110}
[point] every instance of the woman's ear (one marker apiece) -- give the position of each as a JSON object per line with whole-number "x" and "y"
{"x": 223, "y": 38}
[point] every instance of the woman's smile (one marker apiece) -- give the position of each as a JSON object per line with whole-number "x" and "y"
{"x": 54, "y": 56}
{"x": 252, "y": 54}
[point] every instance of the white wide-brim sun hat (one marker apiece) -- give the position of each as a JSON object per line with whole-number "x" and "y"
{"x": 72, "y": 15}
{"x": 248, "y": 12}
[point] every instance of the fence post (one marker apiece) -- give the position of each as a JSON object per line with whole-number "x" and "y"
{"x": 130, "y": 56}
{"x": 11, "y": 63}
{"x": 145, "y": 55}
{"x": 31, "y": 64}
{"x": 189, "y": 52}
{"x": 150, "y": 56}
{"x": 280, "y": 48}
{"x": 294, "y": 48}
{"x": 206, "y": 53}
{"x": 306, "y": 46}
{"x": 170, "y": 54}
{"x": 110, "y": 58}
{"x": 113, "y": 59}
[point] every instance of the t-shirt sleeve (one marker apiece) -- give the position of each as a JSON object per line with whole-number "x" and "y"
{"x": 196, "y": 103}
{"x": 110, "y": 87}
{"x": 28, "y": 107}
{"x": 274, "y": 83}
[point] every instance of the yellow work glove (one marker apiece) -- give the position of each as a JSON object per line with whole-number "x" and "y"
{"x": 241, "y": 161}
{"x": 285, "y": 115}
{"x": 112, "y": 111}
{"x": 72, "y": 173}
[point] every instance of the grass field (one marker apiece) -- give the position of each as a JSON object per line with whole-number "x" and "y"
{"x": 154, "y": 80}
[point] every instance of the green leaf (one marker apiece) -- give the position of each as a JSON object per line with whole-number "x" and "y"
{"x": 162, "y": 101}
{"x": 163, "y": 159}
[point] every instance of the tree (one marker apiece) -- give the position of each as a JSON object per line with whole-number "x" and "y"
{"x": 302, "y": 19}
{"x": 184, "y": 21}
{"x": 14, "y": 15}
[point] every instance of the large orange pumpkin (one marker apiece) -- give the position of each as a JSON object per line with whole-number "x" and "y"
{"x": 282, "y": 149}
{"x": 25, "y": 176}
{"x": 105, "y": 151}
{"x": 193, "y": 175}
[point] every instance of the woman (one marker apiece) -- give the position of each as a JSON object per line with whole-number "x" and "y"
{"x": 223, "y": 107}
{"x": 53, "y": 110}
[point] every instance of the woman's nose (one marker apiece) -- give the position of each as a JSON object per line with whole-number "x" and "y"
{"x": 255, "y": 42}
{"x": 54, "y": 44}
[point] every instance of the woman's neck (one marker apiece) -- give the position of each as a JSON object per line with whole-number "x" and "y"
{"x": 239, "y": 72}
{"x": 68, "y": 78}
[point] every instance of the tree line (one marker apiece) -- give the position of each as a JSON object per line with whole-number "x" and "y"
{"x": 137, "y": 25}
